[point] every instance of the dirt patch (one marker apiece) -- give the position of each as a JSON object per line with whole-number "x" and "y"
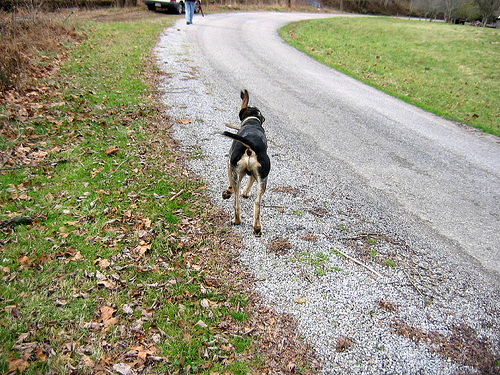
{"x": 462, "y": 345}
{"x": 287, "y": 190}
{"x": 279, "y": 246}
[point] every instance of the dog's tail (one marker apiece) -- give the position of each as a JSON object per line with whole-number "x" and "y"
{"x": 244, "y": 141}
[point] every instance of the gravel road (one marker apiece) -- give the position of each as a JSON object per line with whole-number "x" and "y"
{"x": 413, "y": 198}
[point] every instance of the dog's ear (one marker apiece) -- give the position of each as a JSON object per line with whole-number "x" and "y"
{"x": 244, "y": 99}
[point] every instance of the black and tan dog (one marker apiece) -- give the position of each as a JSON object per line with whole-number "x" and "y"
{"x": 248, "y": 156}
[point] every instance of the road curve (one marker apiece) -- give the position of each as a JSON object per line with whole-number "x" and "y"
{"x": 443, "y": 173}
{"x": 347, "y": 160}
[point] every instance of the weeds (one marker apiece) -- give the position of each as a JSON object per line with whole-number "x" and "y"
{"x": 319, "y": 262}
{"x": 30, "y": 42}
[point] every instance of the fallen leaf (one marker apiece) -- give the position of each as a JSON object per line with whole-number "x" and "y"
{"x": 13, "y": 310}
{"x": 201, "y": 324}
{"x": 93, "y": 326}
{"x": 112, "y": 150}
{"x": 95, "y": 172}
{"x": 204, "y": 303}
{"x": 17, "y": 364}
{"x": 107, "y": 284}
{"x": 103, "y": 263}
{"x": 24, "y": 260}
{"x": 122, "y": 368}
{"x": 71, "y": 346}
{"x": 142, "y": 352}
{"x": 87, "y": 361}
{"x": 137, "y": 326}
{"x": 107, "y": 312}
{"x": 183, "y": 121}
{"x": 13, "y": 190}
{"x": 127, "y": 309}
{"x": 100, "y": 276}
{"x": 300, "y": 300}
{"x": 107, "y": 317}
{"x": 76, "y": 256}
{"x": 22, "y": 337}
{"x": 143, "y": 247}
{"x": 41, "y": 355}
{"x": 142, "y": 233}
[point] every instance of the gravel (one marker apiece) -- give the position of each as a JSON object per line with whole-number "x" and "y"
{"x": 430, "y": 312}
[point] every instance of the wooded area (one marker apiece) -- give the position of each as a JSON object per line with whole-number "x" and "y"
{"x": 459, "y": 11}
{"x": 449, "y": 10}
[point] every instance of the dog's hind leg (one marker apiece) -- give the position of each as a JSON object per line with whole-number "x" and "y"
{"x": 261, "y": 189}
{"x": 246, "y": 190}
{"x": 237, "y": 208}
{"x": 226, "y": 194}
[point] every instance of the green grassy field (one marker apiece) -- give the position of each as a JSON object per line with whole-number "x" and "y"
{"x": 450, "y": 70}
{"x": 104, "y": 265}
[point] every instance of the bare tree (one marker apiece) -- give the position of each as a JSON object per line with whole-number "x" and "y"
{"x": 488, "y": 9}
{"x": 430, "y": 8}
{"x": 450, "y": 8}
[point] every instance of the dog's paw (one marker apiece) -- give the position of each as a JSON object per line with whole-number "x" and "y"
{"x": 226, "y": 194}
{"x": 236, "y": 221}
{"x": 257, "y": 231}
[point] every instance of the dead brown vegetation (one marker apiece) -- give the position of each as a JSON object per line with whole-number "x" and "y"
{"x": 30, "y": 44}
{"x": 461, "y": 345}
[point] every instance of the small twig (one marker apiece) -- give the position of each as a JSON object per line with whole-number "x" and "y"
{"x": 176, "y": 195}
{"x": 127, "y": 159}
{"x": 363, "y": 235}
{"x": 69, "y": 15}
{"x": 412, "y": 283}
{"x": 249, "y": 331}
{"x": 358, "y": 262}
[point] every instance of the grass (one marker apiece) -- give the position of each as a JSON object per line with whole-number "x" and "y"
{"x": 106, "y": 270}
{"x": 450, "y": 70}
{"x": 318, "y": 261}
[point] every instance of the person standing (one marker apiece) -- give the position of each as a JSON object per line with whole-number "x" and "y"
{"x": 189, "y": 9}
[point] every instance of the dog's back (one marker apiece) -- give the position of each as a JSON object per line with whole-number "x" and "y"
{"x": 250, "y": 139}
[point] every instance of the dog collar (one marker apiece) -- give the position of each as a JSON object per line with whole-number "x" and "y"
{"x": 248, "y": 119}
